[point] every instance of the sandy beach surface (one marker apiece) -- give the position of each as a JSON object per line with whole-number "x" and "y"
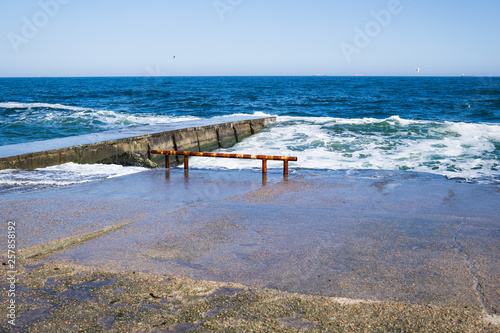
{"x": 233, "y": 251}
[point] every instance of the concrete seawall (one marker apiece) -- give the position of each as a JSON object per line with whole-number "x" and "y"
{"x": 131, "y": 146}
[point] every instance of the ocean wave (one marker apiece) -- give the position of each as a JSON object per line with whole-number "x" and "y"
{"x": 61, "y": 175}
{"x": 25, "y": 122}
{"x": 112, "y": 119}
{"x": 86, "y": 115}
{"x": 469, "y": 151}
{"x": 16, "y": 105}
{"x": 455, "y": 150}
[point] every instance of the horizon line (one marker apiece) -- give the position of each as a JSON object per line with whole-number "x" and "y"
{"x": 311, "y": 75}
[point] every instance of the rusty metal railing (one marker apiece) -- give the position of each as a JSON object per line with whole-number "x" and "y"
{"x": 264, "y": 158}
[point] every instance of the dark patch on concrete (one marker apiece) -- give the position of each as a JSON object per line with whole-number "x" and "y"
{"x": 243, "y": 256}
{"x": 181, "y": 328}
{"x": 230, "y": 292}
{"x": 97, "y": 283}
{"x": 381, "y": 185}
{"x": 249, "y": 244}
{"x": 211, "y": 313}
{"x": 82, "y": 291}
{"x": 107, "y": 322}
{"x": 298, "y": 323}
{"x": 78, "y": 294}
{"x": 181, "y": 263}
{"x": 448, "y": 198}
{"x": 34, "y": 316}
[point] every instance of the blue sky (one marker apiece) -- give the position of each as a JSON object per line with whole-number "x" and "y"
{"x": 249, "y": 37}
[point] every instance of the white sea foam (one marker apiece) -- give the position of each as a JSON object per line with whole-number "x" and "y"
{"x": 64, "y": 174}
{"x": 103, "y": 119}
{"x": 113, "y": 119}
{"x": 455, "y": 150}
{"x": 452, "y": 149}
{"x": 16, "y": 105}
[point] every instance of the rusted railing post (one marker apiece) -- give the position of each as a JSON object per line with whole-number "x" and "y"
{"x": 264, "y": 158}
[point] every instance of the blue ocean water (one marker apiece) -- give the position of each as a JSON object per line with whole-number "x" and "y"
{"x": 443, "y": 125}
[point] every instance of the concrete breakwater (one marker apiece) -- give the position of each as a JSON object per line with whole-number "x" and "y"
{"x": 131, "y": 146}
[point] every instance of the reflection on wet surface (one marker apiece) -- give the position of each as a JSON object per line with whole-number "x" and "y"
{"x": 367, "y": 234}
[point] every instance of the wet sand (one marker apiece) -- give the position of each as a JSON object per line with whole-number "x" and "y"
{"x": 414, "y": 242}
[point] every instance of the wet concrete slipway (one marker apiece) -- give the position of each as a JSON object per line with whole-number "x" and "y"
{"x": 377, "y": 235}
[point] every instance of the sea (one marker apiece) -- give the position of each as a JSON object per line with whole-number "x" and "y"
{"x": 445, "y": 126}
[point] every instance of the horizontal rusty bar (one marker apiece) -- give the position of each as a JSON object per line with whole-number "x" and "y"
{"x": 264, "y": 158}
{"x": 225, "y": 155}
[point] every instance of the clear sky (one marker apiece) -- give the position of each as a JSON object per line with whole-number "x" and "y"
{"x": 249, "y": 37}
